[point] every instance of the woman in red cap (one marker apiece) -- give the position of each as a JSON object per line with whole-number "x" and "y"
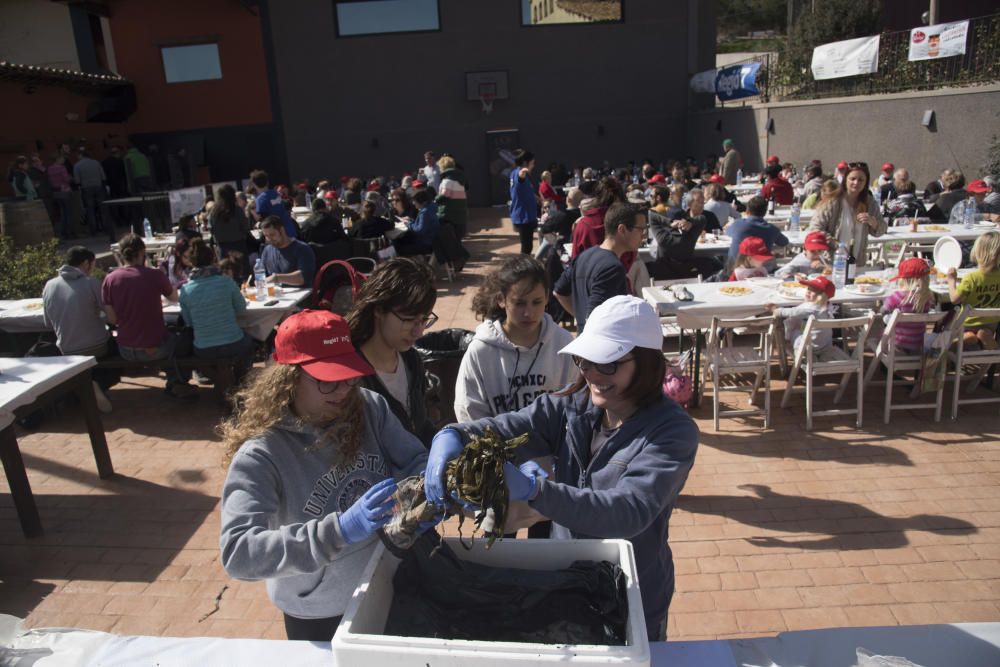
{"x": 313, "y": 463}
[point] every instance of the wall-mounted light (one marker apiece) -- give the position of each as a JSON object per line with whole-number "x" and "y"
{"x": 770, "y": 125}
{"x": 600, "y": 130}
{"x": 928, "y": 119}
{"x": 374, "y": 143}
{"x": 718, "y": 125}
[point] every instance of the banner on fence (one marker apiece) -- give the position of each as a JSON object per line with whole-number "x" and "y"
{"x": 847, "y": 58}
{"x": 737, "y": 81}
{"x": 704, "y": 82}
{"x": 183, "y": 202}
{"x": 938, "y": 41}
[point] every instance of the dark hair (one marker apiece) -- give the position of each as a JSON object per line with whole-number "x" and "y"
{"x": 79, "y": 254}
{"x": 201, "y": 253}
{"x": 318, "y": 205}
{"x": 259, "y": 178}
{"x": 502, "y": 279}
{"x": 225, "y": 202}
{"x": 354, "y": 185}
{"x": 757, "y": 206}
{"x": 131, "y": 246}
{"x": 814, "y": 170}
{"x": 646, "y": 387}
{"x": 648, "y": 171}
{"x": 230, "y": 265}
{"x": 400, "y": 285}
{"x": 185, "y": 221}
{"x": 773, "y": 170}
{"x": 619, "y": 214}
{"x": 523, "y": 157}
{"x": 906, "y": 188}
{"x": 609, "y": 191}
{"x": 272, "y": 222}
{"x": 421, "y": 197}
{"x": 368, "y": 210}
{"x": 177, "y": 252}
{"x": 661, "y": 193}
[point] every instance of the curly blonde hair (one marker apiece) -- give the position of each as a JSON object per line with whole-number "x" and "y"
{"x": 266, "y": 398}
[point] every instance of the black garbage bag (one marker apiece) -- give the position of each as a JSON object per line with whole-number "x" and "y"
{"x": 439, "y": 595}
{"x": 442, "y": 352}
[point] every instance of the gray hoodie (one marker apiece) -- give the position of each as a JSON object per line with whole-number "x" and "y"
{"x": 282, "y": 501}
{"x": 497, "y": 376}
{"x": 72, "y": 307}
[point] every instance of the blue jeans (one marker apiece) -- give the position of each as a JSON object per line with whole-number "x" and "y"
{"x": 172, "y": 347}
{"x": 241, "y": 352}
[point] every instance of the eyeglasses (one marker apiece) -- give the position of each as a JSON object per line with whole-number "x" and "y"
{"x": 425, "y": 323}
{"x": 603, "y": 369}
{"x": 330, "y": 387}
{"x": 641, "y": 228}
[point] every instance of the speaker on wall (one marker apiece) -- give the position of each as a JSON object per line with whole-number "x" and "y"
{"x": 928, "y": 119}
{"x": 770, "y": 125}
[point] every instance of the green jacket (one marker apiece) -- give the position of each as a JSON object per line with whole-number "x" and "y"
{"x": 451, "y": 200}
{"x": 136, "y": 164}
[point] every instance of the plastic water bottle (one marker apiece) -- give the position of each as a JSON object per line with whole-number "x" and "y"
{"x": 969, "y": 215}
{"x": 260, "y": 279}
{"x": 877, "y": 196}
{"x": 793, "y": 221}
{"x": 147, "y": 229}
{"x": 840, "y": 267}
{"x": 739, "y": 177}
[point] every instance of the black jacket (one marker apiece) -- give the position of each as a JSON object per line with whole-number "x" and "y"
{"x": 416, "y": 422}
{"x": 322, "y": 227}
{"x": 673, "y": 243}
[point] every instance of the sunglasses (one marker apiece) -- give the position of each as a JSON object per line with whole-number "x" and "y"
{"x": 425, "y": 323}
{"x": 857, "y": 165}
{"x": 603, "y": 369}
{"x": 330, "y": 387}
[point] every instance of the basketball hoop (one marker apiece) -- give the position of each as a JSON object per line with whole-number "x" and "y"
{"x": 487, "y": 100}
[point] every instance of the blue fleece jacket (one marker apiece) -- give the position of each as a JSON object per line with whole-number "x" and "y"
{"x": 751, "y": 226}
{"x": 425, "y": 227}
{"x": 523, "y": 203}
{"x": 628, "y": 490}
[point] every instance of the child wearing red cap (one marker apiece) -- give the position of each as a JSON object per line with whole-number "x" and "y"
{"x": 816, "y": 302}
{"x": 313, "y": 463}
{"x": 913, "y": 296}
{"x": 750, "y": 261}
{"x": 810, "y": 260}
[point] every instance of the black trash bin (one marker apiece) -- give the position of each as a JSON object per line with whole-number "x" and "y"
{"x": 442, "y": 352}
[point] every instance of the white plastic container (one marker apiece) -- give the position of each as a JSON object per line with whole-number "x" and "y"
{"x": 360, "y": 639}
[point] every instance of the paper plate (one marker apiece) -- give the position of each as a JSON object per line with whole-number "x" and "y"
{"x": 947, "y": 254}
{"x": 865, "y": 290}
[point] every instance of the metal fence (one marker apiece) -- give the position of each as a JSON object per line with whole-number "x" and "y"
{"x": 780, "y": 79}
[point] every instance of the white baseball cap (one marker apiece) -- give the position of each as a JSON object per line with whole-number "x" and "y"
{"x": 614, "y": 328}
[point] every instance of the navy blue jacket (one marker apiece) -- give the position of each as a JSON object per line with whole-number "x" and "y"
{"x": 751, "y": 226}
{"x": 523, "y": 203}
{"x": 425, "y": 227}
{"x": 627, "y": 491}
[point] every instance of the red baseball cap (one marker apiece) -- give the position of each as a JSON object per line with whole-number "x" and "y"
{"x": 888, "y": 166}
{"x": 319, "y": 342}
{"x": 330, "y": 195}
{"x": 716, "y": 178}
{"x": 816, "y": 241}
{"x": 977, "y": 186}
{"x": 754, "y": 246}
{"x": 773, "y": 160}
{"x": 821, "y": 284}
{"x": 842, "y": 164}
{"x": 914, "y": 267}
{"x": 419, "y": 184}
{"x": 657, "y": 178}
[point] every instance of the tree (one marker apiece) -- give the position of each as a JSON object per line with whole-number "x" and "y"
{"x": 737, "y": 17}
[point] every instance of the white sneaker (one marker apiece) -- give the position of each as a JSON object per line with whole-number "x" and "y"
{"x": 103, "y": 404}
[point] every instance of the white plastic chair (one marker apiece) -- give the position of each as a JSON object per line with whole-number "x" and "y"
{"x": 896, "y": 360}
{"x": 981, "y": 360}
{"x": 722, "y": 358}
{"x": 832, "y": 361}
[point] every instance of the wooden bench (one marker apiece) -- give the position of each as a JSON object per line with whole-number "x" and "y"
{"x": 220, "y": 370}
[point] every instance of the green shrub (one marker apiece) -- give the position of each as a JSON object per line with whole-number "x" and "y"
{"x": 24, "y": 271}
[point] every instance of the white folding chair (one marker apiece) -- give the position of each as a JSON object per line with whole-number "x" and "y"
{"x": 897, "y": 360}
{"x": 834, "y": 360}
{"x": 979, "y": 360}
{"x": 723, "y": 357}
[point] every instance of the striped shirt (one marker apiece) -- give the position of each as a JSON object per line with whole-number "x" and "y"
{"x": 909, "y": 335}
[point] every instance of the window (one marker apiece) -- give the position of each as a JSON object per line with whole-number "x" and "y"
{"x": 197, "y": 62}
{"x": 555, "y": 12}
{"x": 377, "y": 17}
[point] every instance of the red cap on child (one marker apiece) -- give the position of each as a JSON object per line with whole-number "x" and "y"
{"x": 821, "y": 284}
{"x": 816, "y": 241}
{"x": 754, "y": 246}
{"x": 914, "y": 267}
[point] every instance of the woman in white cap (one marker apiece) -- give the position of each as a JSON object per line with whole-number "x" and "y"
{"x": 623, "y": 450}
{"x": 314, "y": 459}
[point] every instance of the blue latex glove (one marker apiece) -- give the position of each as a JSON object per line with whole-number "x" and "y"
{"x": 447, "y": 445}
{"x": 522, "y": 481}
{"x": 369, "y": 512}
{"x": 424, "y": 526}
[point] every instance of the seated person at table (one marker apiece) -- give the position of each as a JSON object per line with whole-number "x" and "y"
{"x": 131, "y": 296}
{"x": 675, "y": 233}
{"x": 716, "y": 204}
{"x": 421, "y": 232}
{"x": 978, "y": 190}
{"x": 589, "y": 228}
{"x": 598, "y": 274}
{"x": 980, "y": 289}
{"x": 72, "y": 307}
{"x": 402, "y": 209}
{"x": 814, "y": 181}
{"x": 912, "y": 296}
{"x": 816, "y": 302}
{"x": 187, "y": 228}
{"x": 210, "y": 303}
{"x": 269, "y": 203}
{"x": 177, "y": 265}
{"x": 287, "y": 261}
{"x": 230, "y": 267}
{"x": 370, "y": 225}
{"x": 751, "y": 259}
{"x": 339, "y": 212}
{"x": 753, "y": 224}
{"x": 561, "y": 222}
{"x": 776, "y": 187}
{"x": 810, "y": 260}
{"x": 954, "y": 193}
{"x": 905, "y": 206}
{"x": 322, "y": 226}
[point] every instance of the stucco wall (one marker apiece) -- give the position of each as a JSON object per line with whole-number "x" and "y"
{"x": 871, "y": 129}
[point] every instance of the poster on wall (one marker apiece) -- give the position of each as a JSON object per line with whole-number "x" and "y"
{"x": 847, "y": 58}
{"x": 938, "y": 41}
{"x": 500, "y": 147}
{"x": 186, "y": 201}
{"x": 737, "y": 81}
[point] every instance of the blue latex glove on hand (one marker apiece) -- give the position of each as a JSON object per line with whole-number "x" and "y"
{"x": 424, "y": 526}
{"x": 369, "y": 512}
{"x": 522, "y": 481}
{"x": 447, "y": 445}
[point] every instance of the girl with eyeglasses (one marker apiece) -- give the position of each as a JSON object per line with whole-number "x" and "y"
{"x": 392, "y": 310}
{"x": 314, "y": 460}
{"x": 623, "y": 450}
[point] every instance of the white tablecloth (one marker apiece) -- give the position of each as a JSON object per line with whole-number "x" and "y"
{"x": 22, "y": 380}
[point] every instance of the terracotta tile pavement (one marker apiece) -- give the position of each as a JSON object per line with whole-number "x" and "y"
{"x": 777, "y": 530}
